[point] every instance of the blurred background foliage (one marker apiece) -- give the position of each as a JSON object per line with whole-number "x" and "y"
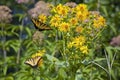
{"x": 16, "y": 45}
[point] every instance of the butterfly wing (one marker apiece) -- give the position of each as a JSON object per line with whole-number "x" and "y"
{"x": 33, "y": 62}
{"x": 39, "y": 25}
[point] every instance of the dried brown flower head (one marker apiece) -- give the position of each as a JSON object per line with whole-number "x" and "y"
{"x": 71, "y": 4}
{"x": 96, "y": 13}
{"x": 40, "y": 8}
{"x": 25, "y": 1}
{"x": 115, "y": 41}
{"x": 38, "y": 37}
{"x": 5, "y": 16}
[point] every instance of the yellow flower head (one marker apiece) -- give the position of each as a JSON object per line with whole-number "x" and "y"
{"x": 99, "y": 22}
{"x": 73, "y": 21}
{"x": 55, "y": 20}
{"x": 82, "y": 16}
{"x": 62, "y": 10}
{"x": 70, "y": 44}
{"x": 79, "y": 29}
{"x": 79, "y": 41}
{"x": 64, "y": 27}
{"x": 102, "y": 21}
{"x": 59, "y": 7}
{"x": 84, "y": 49}
{"x": 81, "y": 7}
{"x": 42, "y": 18}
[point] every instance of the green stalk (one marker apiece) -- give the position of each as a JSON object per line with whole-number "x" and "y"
{"x": 20, "y": 40}
{"x": 109, "y": 66}
{"x": 3, "y": 47}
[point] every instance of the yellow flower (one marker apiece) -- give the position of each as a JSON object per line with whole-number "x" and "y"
{"x": 82, "y": 16}
{"x": 55, "y": 20}
{"x": 62, "y": 10}
{"x": 79, "y": 41}
{"x": 79, "y": 29}
{"x": 79, "y": 15}
{"x": 70, "y": 44}
{"x": 95, "y": 23}
{"x": 73, "y": 21}
{"x": 56, "y": 24}
{"x": 53, "y": 10}
{"x": 39, "y": 53}
{"x": 42, "y": 18}
{"x": 84, "y": 49}
{"x": 102, "y": 21}
{"x": 59, "y": 7}
{"x": 99, "y": 22}
{"x": 81, "y": 7}
{"x": 64, "y": 27}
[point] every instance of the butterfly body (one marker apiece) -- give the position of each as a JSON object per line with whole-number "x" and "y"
{"x": 39, "y": 25}
{"x": 33, "y": 62}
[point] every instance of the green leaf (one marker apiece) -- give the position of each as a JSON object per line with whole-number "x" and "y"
{"x": 104, "y": 10}
{"x": 110, "y": 53}
{"x": 28, "y": 31}
{"x": 51, "y": 58}
{"x": 5, "y": 70}
{"x": 9, "y": 78}
{"x": 99, "y": 59}
{"x": 62, "y": 73}
{"x": 37, "y": 78}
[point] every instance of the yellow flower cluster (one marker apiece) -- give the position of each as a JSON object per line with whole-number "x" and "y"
{"x": 61, "y": 10}
{"x": 39, "y": 53}
{"x": 55, "y": 20}
{"x": 76, "y": 21}
{"x": 65, "y": 18}
{"x": 82, "y": 12}
{"x": 99, "y": 22}
{"x": 79, "y": 43}
{"x": 82, "y": 16}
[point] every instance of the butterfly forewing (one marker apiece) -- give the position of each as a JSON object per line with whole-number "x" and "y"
{"x": 33, "y": 62}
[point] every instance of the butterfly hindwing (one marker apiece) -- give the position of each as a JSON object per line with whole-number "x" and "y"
{"x": 33, "y": 62}
{"x": 40, "y": 25}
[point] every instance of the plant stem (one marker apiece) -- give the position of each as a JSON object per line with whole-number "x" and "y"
{"x": 98, "y": 5}
{"x": 113, "y": 59}
{"x": 3, "y": 47}
{"x": 109, "y": 66}
{"x": 100, "y": 67}
{"x": 20, "y": 40}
